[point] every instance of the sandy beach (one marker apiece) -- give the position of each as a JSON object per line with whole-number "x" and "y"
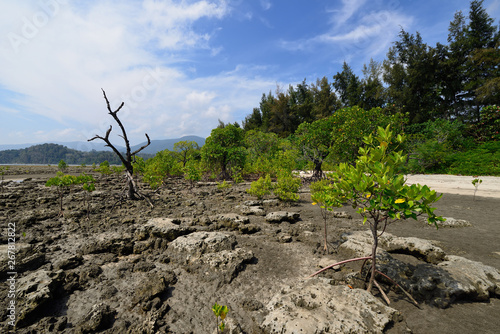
{"x": 459, "y": 185}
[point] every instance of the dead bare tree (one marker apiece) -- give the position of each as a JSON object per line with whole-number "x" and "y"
{"x": 131, "y": 187}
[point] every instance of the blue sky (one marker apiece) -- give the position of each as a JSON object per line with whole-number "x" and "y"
{"x": 179, "y": 66}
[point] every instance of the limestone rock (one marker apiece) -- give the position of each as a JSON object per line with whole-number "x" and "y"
{"x": 231, "y": 220}
{"x": 341, "y": 214}
{"x": 35, "y": 290}
{"x": 198, "y": 243}
{"x": 314, "y": 306}
{"x": 475, "y": 278}
{"x": 420, "y": 248}
{"x": 452, "y": 222}
{"x": 111, "y": 242}
{"x": 211, "y": 254}
{"x": 166, "y": 228}
{"x": 251, "y": 210}
{"x": 28, "y": 257}
{"x": 281, "y": 216}
{"x": 100, "y": 317}
{"x": 252, "y": 203}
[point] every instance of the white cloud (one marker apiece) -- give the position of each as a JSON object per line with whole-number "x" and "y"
{"x": 265, "y": 4}
{"x": 363, "y": 38}
{"x": 139, "y": 53}
{"x": 349, "y": 8}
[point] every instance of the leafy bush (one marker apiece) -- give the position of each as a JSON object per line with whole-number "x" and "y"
{"x": 192, "y": 171}
{"x": 62, "y": 165}
{"x": 375, "y": 187}
{"x": 261, "y": 187}
{"x": 483, "y": 160}
{"x": 223, "y": 185}
{"x": 287, "y": 187}
{"x": 160, "y": 167}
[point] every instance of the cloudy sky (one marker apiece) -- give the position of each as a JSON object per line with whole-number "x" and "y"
{"x": 180, "y": 65}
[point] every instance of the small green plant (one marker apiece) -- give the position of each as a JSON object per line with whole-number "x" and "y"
{"x": 223, "y": 185}
{"x": 220, "y": 312}
{"x": 61, "y": 181}
{"x": 376, "y": 188}
{"x": 261, "y": 187}
{"x": 104, "y": 168}
{"x": 476, "y": 182}
{"x": 192, "y": 171}
{"x": 88, "y": 184}
{"x": 318, "y": 197}
{"x": 62, "y": 165}
{"x": 287, "y": 187}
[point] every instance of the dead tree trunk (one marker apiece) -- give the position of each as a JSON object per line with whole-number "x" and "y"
{"x": 132, "y": 191}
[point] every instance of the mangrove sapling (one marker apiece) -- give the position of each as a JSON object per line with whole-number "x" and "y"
{"x": 316, "y": 195}
{"x": 287, "y": 187}
{"x": 61, "y": 181}
{"x": 62, "y": 165}
{"x": 476, "y": 182}
{"x": 375, "y": 187}
{"x": 261, "y": 187}
{"x": 88, "y": 185}
{"x": 220, "y": 312}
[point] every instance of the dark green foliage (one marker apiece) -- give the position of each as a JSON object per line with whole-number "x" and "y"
{"x": 483, "y": 160}
{"x": 162, "y": 166}
{"x": 224, "y": 150}
{"x": 53, "y": 153}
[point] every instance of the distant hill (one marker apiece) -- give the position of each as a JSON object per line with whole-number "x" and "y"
{"x": 98, "y": 145}
{"x": 160, "y": 145}
{"x": 51, "y": 153}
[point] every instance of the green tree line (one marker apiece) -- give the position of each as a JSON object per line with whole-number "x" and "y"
{"x": 53, "y": 153}
{"x": 451, "y": 81}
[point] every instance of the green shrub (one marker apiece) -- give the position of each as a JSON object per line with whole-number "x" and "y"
{"x": 192, "y": 171}
{"x": 287, "y": 187}
{"x": 62, "y": 165}
{"x": 223, "y": 185}
{"x": 261, "y": 187}
{"x": 483, "y": 160}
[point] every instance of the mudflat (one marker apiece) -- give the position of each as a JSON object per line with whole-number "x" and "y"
{"x": 132, "y": 268}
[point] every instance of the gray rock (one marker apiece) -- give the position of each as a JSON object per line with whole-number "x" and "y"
{"x": 100, "y": 317}
{"x": 251, "y": 210}
{"x": 69, "y": 262}
{"x": 35, "y": 290}
{"x": 473, "y": 278}
{"x": 28, "y": 257}
{"x": 360, "y": 243}
{"x": 314, "y": 306}
{"x": 166, "y": 228}
{"x": 420, "y": 248}
{"x": 270, "y": 202}
{"x": 341, "y": 214}
{"x": 111, "y": 242}
{"x": 211, "y": 254}
{"x": 231, "y": 220}
{"x": 281, "y": 216}
{"x": 452, "y": 222}
{"x": 198, "y": 243}
{"x": 252, "y": 203}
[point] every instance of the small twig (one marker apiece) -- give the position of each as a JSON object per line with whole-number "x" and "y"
{"x": 399, "y": 286}
{"x": 339, "y": 263}
{"x": 382, "y": 292}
